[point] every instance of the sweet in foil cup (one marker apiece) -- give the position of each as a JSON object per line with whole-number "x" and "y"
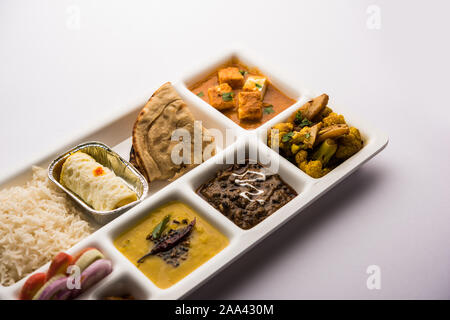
{"x": 110, "y": 159}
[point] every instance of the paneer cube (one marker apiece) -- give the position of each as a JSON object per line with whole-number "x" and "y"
{"x": 221, "y": 97}
{"x": 232, "y": 76}
{"x": 256, "y": 84}
{"x": 250, "y": 106}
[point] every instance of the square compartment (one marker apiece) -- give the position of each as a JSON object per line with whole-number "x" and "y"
{"x": 373, "y": 140}
{"x": 178, "y": 195}
{"x": 255, "y": 151}
{"x": 249, "y": 60}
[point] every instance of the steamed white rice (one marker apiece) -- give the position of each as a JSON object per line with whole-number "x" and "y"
{"x": 37, "y": 221}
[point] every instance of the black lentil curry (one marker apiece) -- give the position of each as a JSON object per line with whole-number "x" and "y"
{"x": 247, "y": 193}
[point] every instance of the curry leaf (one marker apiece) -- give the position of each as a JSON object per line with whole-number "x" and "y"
{"x": 200, "y": 94}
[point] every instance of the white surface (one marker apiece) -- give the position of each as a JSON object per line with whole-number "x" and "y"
{"x": 393, "y": 212}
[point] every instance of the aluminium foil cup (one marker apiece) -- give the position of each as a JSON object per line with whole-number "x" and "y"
{"x": 110, "y": 159}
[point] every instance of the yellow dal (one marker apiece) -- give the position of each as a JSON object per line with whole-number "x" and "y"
{"x": 205, "y": 242}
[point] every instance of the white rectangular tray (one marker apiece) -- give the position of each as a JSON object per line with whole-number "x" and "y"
{"x": 126, "y": 278}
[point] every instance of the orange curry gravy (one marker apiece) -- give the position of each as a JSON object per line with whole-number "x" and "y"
{"x": 273, "y": 97}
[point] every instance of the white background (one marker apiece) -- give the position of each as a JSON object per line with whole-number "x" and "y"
{"x": 393, "y": 212}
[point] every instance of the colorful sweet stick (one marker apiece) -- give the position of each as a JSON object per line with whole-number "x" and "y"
{"x": 80, "y": 253}
{"x": 51, "y": 287}
{"x": 95, "y": 272}
{"x": 63, "y": 294}
{"x": 59, "y": 264}
{"x": 87, "y": 257}
{"x": 32, "y": 286}
{"x": 57, "y": 288}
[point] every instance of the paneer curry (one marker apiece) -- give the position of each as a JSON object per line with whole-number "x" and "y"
{"x": 243, "y": 94}
{"x": 315, "y": 138}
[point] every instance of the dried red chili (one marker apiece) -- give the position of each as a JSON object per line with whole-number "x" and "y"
{"x": 170, "y": 241}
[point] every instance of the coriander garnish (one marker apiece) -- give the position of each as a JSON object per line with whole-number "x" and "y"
{"x": 305, "y": 123}
{"x": 243, "y": 72}
{"x": 307, "y": 135}
{"x": 269, "y": 109}
{"x": 200, "y": 94}
{"x": 258, "y": 85}
{"x": 227, "y": 96}
{"x": 298, "y": 117}
{"x": 300, "y": 121}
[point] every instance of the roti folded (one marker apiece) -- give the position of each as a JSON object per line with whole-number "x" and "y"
{"x": 152, "y": 148}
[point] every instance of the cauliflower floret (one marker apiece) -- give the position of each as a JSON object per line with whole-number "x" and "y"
{"x": 349, "y": 144}
{"x": 333, "y": 118}
{"x": 299, "y": 136}
{"x": 295, "y": 148}
{"x": 314, "y": 168}
{"x": 283, "y": 128}
{"x": 306, "y": 137}
{"x": 301, "y": 157}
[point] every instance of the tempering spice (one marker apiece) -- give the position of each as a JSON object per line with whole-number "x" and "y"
{"x": 172, "y": 246}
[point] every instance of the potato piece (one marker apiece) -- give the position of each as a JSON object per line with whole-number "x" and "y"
{"x": 250, "y": 106}
{"x": 256, "y": 84}
{"x": 332, "y": 132}
{"x": 310, "y": 109}
{"x": 217, "y": 98}
{"x": 306, "y": 136}
{"x": 232, "y": 76}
